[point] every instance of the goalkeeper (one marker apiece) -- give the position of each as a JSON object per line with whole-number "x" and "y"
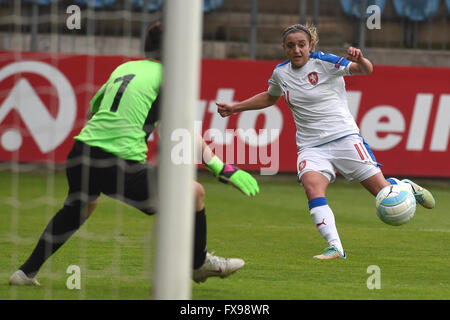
{"x": 109, "y": 156}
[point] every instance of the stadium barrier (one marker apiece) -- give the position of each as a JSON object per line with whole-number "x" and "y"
{"x": 403, "y": 112}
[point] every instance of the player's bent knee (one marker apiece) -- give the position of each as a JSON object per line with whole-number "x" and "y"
{"x": 199, "y": 196}
{"x": 71, "y": 215}
{"x": 312, "y": 192}
{"x": 315, "y": 185}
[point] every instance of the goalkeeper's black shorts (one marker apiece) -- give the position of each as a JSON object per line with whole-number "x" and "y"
{"x": 92, "y": 171}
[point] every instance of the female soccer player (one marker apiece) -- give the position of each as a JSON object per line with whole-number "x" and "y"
{"x": 109, "y": 156}
{"x": 327, "y": 136}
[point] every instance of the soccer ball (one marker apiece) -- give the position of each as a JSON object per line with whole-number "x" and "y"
{"x": 395, "y": 205}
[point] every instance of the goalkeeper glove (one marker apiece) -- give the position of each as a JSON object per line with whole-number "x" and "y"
{"x": 240, "y": 179}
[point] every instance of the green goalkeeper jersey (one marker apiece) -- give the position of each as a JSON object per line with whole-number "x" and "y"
{"x": 125, "y": 110}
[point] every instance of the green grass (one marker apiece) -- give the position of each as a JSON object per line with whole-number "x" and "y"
{"x": 273, "y": 232}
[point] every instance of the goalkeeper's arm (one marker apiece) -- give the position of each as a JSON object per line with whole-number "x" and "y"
{"x": 240, "y": 179}
{"x": 96, "y": 101}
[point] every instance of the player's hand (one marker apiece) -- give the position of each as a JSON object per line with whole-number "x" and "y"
{"x": 240, "y": 179}
{"x": 224, "y": 109}
{"x": 354, "y": 54}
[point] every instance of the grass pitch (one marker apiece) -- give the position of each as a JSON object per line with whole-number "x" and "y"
{"x": 272, "y": 232}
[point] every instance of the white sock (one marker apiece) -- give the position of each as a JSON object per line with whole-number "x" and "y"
{"x": 323, "y": 218}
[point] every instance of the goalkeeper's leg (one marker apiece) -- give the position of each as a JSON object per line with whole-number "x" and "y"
{"x": 78, "y": 206}
{"x": 60, "y": 228}
{"x": 199, "y": 227}
{"x": 206, "y": 264}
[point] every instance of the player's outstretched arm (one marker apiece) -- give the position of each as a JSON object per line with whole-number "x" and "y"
{"x": 226, "y": 173}
{"x": 259, "y": 101}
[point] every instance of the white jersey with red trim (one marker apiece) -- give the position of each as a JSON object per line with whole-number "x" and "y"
{"x": 317, "y": 98}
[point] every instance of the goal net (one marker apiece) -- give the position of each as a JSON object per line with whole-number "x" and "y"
{"x": 54, "y": 56}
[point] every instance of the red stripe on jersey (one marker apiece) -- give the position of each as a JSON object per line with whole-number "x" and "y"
{"x": 364, "y": 150}
{"x": 288, "y": 99}
{"x": 359, "y": 151}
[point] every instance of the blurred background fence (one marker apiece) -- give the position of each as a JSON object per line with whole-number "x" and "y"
{"x": 412, "y": 32}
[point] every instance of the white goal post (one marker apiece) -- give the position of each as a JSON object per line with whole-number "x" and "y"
{"x": 182, "y": 25}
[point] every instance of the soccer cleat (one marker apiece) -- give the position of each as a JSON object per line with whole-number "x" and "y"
{"x": 422, "y": 195}
{"x": 19, "y": 278}
{"x": 217, "y": 267}
{"x": 330, "y": 253}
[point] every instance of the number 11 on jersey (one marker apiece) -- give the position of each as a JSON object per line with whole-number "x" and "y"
{"x": 125, "y": 81}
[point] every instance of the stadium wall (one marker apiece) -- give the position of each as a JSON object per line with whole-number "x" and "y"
{"x": 131, "y": 46}
{"x": 403, "y": 112}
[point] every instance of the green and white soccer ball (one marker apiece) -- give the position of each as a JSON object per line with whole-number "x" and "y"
{"x": 395, "y": 204}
